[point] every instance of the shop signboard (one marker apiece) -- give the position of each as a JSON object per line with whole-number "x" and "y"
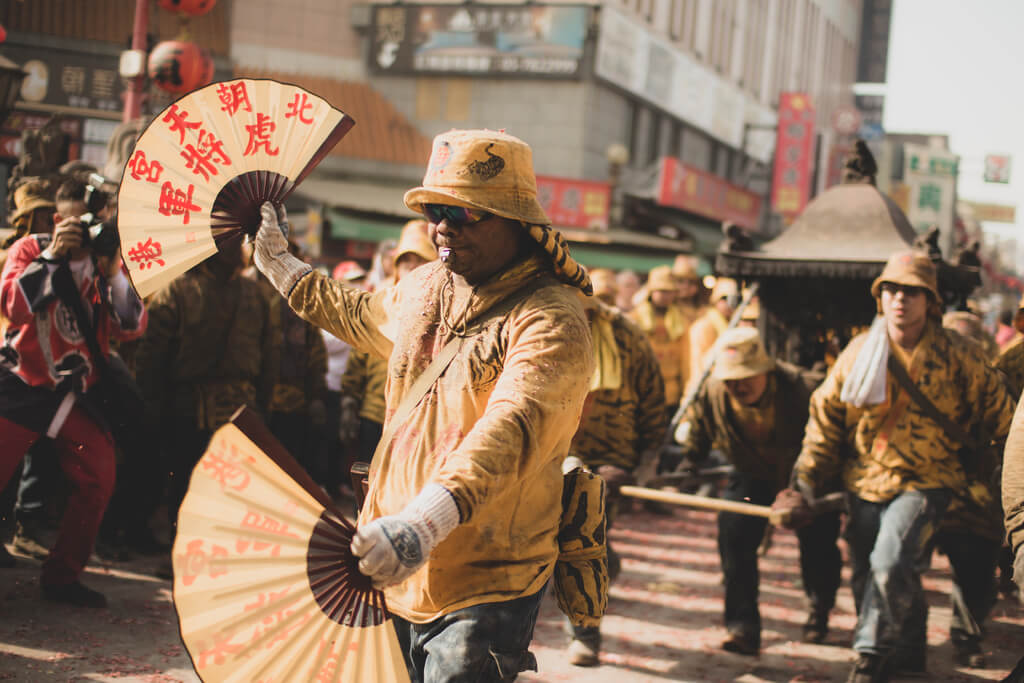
{"x": 538, "y": 41}
{"x": 573, "y": 203}
{"x": 685, "y": 187}
{"x": 794, "y": 155}
{"x": 930, "y": 174}
{"x": 77, "y": 80}
{"x": 997, "y": 168}
{"x": 631, "y": 57}
{"x": 995, "y": 213}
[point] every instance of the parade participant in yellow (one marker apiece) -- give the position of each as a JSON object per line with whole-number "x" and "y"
{"x": 684, "y": 270}
{"x": 605, "y": 288}
{"x": 713, "y": 322}
{"x": 877, "y": 421}
{"x": 364, "y": 380}
{"x": 754, "y": 410}
{"x": 623, "y": 424}
{"x": 1013, "y": 509}
{"x": 666, "y": 326}
{"x": 461, "y": 517}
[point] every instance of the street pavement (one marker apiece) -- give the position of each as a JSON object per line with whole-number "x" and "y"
{"x": 663, "y": 624}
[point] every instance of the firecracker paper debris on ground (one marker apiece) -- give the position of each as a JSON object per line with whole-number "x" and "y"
{"x": 664, "y": 620}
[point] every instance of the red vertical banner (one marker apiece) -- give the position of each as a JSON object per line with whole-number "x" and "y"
{"x": 794, "y": 154}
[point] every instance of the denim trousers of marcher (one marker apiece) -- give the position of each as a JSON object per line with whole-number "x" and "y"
{"x": 480, "y": 644}
{"x": 891, "y": 545}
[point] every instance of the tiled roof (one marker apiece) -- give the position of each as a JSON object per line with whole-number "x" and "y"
{"x": 111, "y": 21}
{"x": 381, "y": 132}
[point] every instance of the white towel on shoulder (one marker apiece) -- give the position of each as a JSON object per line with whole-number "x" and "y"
{"x": 865, "y": 385}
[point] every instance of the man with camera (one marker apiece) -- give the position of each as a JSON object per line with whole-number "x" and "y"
{"x": 65, "y": 300}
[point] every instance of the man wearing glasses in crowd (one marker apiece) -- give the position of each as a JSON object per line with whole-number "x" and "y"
{"x": 460, "y": 522}
{"x": 876, "y": 422}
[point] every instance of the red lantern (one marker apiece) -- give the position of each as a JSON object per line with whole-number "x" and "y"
{"x": 193, "y": 8}
{"x": 178, "y": 67}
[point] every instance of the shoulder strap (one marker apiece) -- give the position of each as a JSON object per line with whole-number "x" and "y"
{"x": 442, "y": 360}
{"x": 67, "y": 291}
{"x": 951, "y": 428}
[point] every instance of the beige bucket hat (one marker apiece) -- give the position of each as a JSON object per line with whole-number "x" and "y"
{"x": 911, "y": 268}
{"x": 493, "y": 171}
{"x": 415, "y": 240}
{"x": 661, "y": 279}
{"x": 742, "y": 355}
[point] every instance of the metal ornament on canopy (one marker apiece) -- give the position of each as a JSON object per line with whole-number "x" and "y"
{"x": 815, "y": 277}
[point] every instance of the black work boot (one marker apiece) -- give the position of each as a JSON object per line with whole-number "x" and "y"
{"x": 968, "y": 653}
{"x": 742, "y": 643}
{"x": 815, "y": 628}
{"x": 74, "y": 594}
{"x": 869, "y": 668}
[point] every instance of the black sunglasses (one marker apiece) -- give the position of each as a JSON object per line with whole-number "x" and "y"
{"x": 908, "y": 290}
{"x": 456, "y": 216}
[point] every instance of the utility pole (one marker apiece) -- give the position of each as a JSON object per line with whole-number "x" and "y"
{"x": 137, "y": 67}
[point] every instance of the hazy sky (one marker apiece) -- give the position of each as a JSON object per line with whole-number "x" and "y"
{"x": 955, "y": 67}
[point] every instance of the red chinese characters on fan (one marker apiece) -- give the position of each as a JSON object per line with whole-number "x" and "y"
{"x": 259, "y": 136}
{"x": 298, "y": 107}
{"x": 196, "y": 562}
{"x": 335, "y": 657}
{"x": 264, "y": 525}
{"x": 177, "y": 202}
{"x": 277, "y": 622}
{"x": 225, "y": 466}
{"x": 144, "y": 169}
{"x": 146, "y": 254}
{"x": 233, "y": 96}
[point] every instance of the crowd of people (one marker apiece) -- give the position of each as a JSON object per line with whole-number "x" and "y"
{"x": 482, "y": 375}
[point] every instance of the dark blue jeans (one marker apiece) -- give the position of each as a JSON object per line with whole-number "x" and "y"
{"x": 484, "y": 643}
{"x": 891, "y": 545}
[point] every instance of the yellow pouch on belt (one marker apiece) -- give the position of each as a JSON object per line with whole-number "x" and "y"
{"x": 581, "y": 572}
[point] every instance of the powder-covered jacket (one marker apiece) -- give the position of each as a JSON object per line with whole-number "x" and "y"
{"x": 365, "y": 379}
{"x": 885, "y": 449}
{"x": 713, "y": 421}
{"x": 493, "y": 430}
{"x": 623, "y": 422}
{"x": 1013, "y": 493}
{"x": 667, "y": 334}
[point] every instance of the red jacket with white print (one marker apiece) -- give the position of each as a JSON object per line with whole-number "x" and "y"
{"x": 42, "y": 342}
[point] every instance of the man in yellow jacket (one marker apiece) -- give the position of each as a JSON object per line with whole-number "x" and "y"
{"x": 666, "y": 325}
{"x": 461, "y": 518}
{"x": 898, "y": 463}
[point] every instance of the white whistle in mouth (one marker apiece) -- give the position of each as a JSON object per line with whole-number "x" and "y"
{"x": 445, "y": 253}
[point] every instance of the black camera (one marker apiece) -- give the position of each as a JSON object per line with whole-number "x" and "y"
{"x": 101, "y": 236}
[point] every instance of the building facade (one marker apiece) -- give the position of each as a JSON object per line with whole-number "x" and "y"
{"x": 652, "y": 121}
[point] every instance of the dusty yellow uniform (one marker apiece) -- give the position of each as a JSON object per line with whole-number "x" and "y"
{"x": 626, "y": 417}
{"x": 1011, "y": 362}
{"x": 212, "y": 345}
{"x": 365, "y": 379}
{"x": 702, "y": 336}
{"x": 667, "y": 334}
{"x": 493, "y": 430}
{"x": 895, "y": 446}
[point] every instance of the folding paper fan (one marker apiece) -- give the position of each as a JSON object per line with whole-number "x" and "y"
{"x": 202, "y": 169}
{"x": 265, "y": 585}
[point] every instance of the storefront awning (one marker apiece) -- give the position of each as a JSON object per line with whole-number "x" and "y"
{"x": 362, "y": 228}
{"x": 357, "y": 196}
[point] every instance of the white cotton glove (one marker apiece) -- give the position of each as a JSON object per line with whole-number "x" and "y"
{"x": 271, "y": 254}
{"x": 392, "y": 548}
